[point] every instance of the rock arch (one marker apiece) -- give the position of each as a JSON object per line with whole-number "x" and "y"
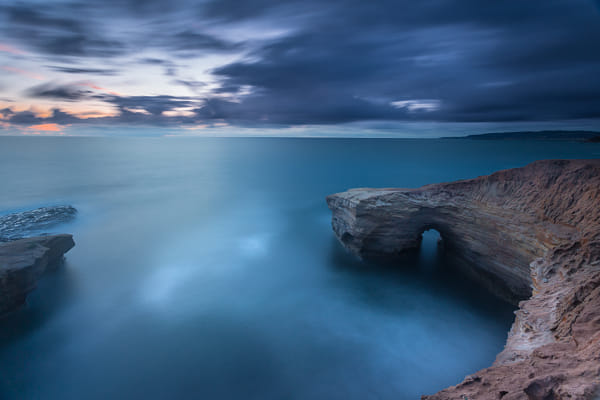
{"x": 526, "y": 233}
{"x": 488, "y": 243}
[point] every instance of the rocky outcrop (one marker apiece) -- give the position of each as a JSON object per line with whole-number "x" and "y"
{"x": 22, "y": 263}
{"x": 529, "y": 234}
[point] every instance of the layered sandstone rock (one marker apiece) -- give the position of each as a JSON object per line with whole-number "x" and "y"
{"x": 22, "y": 263}
{"x": 530, "y": 234}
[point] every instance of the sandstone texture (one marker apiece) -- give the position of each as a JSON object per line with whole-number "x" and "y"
{"x": 22, "y": 263}
{"x": 530, "y": 235}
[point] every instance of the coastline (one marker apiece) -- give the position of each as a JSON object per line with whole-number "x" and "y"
{"x": 534, "y": 227}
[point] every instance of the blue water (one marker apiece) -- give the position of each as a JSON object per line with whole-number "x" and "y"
{"x": 207, "y": 268}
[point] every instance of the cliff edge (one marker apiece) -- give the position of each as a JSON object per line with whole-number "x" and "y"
{"x": 530, "y": 235}
{"x": 22, "y": 263}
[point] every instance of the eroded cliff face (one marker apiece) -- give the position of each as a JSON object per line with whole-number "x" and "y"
{"x": 530, "y": 234}
{"x": 22, "y": 263}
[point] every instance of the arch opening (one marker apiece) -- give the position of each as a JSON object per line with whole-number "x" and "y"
{"x": 431, "y": 247}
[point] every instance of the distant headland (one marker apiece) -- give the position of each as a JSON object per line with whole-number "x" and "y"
{"x": 578, "y": 136}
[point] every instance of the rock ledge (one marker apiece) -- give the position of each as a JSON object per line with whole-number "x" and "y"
{"x": 22, "y": 263}
{"x": 528, "y": 234}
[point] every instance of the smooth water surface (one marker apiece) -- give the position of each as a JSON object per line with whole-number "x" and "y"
{"x": 207, "y": 268}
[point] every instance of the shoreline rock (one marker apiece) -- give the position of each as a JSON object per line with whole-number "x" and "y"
{"x": 530, "y": 235}
{"x": 23, "y": 262}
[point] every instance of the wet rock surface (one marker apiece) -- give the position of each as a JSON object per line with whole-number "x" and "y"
{"x": 530, "y": 235}
{"x": 23, "y": 262}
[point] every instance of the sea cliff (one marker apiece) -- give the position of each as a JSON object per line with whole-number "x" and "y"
{"x": 530, "y": 235}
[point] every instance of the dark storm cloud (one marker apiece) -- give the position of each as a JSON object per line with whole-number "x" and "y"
{"x": 193, "y": 85}
{"x": 60, "y": 92}
{"x": 29, "y": 118}
{"x": 233, "y": 10}
{"x": 190, "y": 40}
{"x": 154, "y": 61}
{"x": 155, "y": 105}
{"x": 495, "y": 62}
{"x": 83, "y": 29}
{"x": 6, "y": 112}
{"x": 94, "y": 71}
{"x": 169, "y": 67}
{"x": 57, "y": 29}
{"x": 143, "y": 7}
{"x": 337, "y": 61}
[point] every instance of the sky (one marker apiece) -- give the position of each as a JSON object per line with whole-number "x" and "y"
{"x": 387, "y": 68}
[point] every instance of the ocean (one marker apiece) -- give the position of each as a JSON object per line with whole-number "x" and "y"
{"x": 207, "y": 268}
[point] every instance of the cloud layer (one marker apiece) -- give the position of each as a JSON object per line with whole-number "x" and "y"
{"x": 306, "y": 62}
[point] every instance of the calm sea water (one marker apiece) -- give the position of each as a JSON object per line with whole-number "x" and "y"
{"x": 207, "y": 268}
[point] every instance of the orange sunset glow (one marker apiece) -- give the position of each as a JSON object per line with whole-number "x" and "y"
{"x": 46, "y": 128}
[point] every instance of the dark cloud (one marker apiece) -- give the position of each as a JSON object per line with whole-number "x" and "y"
{"x": 58, "y": 29}
{"x": 61, "y": 92}
{"x": 189, "y": 40}
{"x": 154, "y": 61}
{"x": 193, "y": 85}
{"x": 21, "y": 14}
{"x": 233, "y": 10}
{"x": 83, "y": 29}
{"x": 169, "y": 67}
{"x": 155, "y": 105}
{"x": 336, "y": 61}
{"x": 74, "y": 70}
{"x": 29, "y": 118}
{"x": 495, "y": 62}
{"x": 179, "y": 43}
{"x": 6, "y": 112}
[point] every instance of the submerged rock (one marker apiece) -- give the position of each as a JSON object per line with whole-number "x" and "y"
{"x": 22, "y": 263}
{"x": 530, "y": 234}
{"x": 33, "y": 222}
